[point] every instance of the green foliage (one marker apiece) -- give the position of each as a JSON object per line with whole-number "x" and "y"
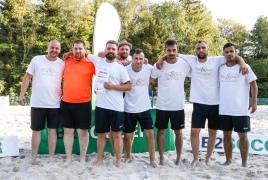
{"x": 263, "y": 90}
{"x": 259, "y": 39}
{"x": 235, "y": 33}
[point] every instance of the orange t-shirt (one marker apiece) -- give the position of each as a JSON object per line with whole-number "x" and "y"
{"x": 77, "y": 80}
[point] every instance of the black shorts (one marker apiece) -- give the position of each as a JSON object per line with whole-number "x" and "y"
{"x": 240, "y": 124}
{"x": 41, "y": 116}
{"x": 75, "y": 115}
{"x": 201, "y": 112}
{"x": 177, "y": 119}
{"x": 144, "y": 118}
{"x": 106, "y": 118}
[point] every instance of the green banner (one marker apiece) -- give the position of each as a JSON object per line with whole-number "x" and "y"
{"x": 139, "y": 144}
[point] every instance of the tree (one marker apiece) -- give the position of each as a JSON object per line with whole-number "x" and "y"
{"x": 259, "y": 39}
{"x": 18, "y": 25}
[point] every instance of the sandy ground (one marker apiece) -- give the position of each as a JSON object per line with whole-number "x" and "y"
{"x": 15, "y": 120}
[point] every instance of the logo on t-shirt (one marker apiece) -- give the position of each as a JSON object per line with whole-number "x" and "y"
{"x": 172, "y": 75}
{"x": 229, "y": 77}
{"x": 49, "y": 72}
{"x": 204, "y": 71}
{"x": 139, "y": 82}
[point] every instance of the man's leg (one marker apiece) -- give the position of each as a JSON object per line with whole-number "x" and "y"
{"x": 35, "y": 145}
{"x": 118, "y": 147}
{"x": 52, "y": 140}
{"x": 151, "y": 146}
{"x": 101, "y": 142}
{"x": 178, "y": 144}
{"x": 68, "y": 138}
{"x": 212, "y": 135}
{"x": 243, "y": 148}
{"x": 228, "y": 146}
{"x": 128, "y": 141}
{"x": 111, "y": 141}
{"x": 161, "y": 144}
{"x": 195, "y": 145}
{"x": 83, "y": 144}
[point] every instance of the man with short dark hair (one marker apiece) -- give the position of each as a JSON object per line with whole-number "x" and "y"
{"x": 46, "y": 71}
{"x": 170, "y": 99}
{"x": 76, "y": 104}
{"x": 137, "y": 106}
{"x": 111, "y": 81}
{"x": 234, "y": 107}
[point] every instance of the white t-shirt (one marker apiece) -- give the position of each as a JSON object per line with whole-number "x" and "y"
{"x": 234, "y": 90}
{"x": 137, "y": 100}
{"x": 46, "y": 83}
{"x": 118, "y": 75}
{"x": 171, "y": 85}
{"x": 204, "y": 79}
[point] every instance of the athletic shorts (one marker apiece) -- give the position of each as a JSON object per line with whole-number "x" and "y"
{"x": 106, "y": 118}
{"x": 144, "y": 118}
{"x": 240, "y": 124}
{"x": 201, "y": 112}
{"x": 177, "y": 119}
{"x": 75, "y": 115}
{"x": 41, "y": 116}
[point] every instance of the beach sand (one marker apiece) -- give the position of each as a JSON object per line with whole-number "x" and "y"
{"x": 15, "y": 120}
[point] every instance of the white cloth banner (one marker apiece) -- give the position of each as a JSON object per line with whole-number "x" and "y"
{"x": 9, "y": 146}
{"x": 258, "y": 144}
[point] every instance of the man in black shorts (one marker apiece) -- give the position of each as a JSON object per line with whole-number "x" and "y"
{"x": 111, "y": 81}
{"x": 137, "y": 105}
{"x": 170, "y": 100}
{"x": 46, "y": 71}
{"x": 76, "y": 105}
{"x": 234, "y": 107}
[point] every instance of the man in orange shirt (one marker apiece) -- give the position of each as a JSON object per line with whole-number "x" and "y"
{"x": 76, "y": 105}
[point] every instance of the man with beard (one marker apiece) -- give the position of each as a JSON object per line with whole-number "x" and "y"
{"x": 137, "y": 106}
{"x": 170, "y": 100}
{"x": 204, "y": 94}
{"x": 111, "y": 81}
{"x": 234, "y": 107}
{"x": 76, "y": 105}
{"x": 46, "y": 71}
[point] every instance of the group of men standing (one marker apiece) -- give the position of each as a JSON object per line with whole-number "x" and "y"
{"x": 117, "y": 111}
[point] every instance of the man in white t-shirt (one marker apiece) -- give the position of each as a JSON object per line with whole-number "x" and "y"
{"x": 137, "y": 105}
{"x": 46, "y": 71}
{"x": 111, "y": 81}
{"x": 234, "y": 107}
{"x": 170, "y": 100}
{"x": 204, "y": 94}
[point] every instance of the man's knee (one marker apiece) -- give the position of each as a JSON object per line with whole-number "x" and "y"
{"x": 127, "y": 135}
{"x": 243, "y": 137}
{"x": 178, "y": 133}
{"x": 149, "y": 134}
{"x": 160, "y": 132}
{"x": 117, "y": 135}
{"x": 195, "y": 132}
{"x": 212, "y": 132}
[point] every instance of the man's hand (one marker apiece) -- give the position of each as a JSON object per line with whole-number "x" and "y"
{"x": 108, "y": 85}
{"x": 253, "y": 107}
{"x": 66, "y": 55}
{"x": 159, "y": 63}
{"x": 243, "y": 69}
{"x": 146, "y": 61}
{"x": 22, "y": 100}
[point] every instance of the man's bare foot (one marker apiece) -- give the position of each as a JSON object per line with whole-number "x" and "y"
{"x": 82, "y": 160}
{"x": 161, "y": 161}
{"x": 118, "y": 164}
{"x": 152, "y": 163}
{"x": 98, "y": 163}
{"x": 194, "y": 163}
{"x": 51, "y": 159}
{"x": 244, "y": 165}
{"x": 227, "y": 163}
{"x": 32, "y": 161}
{"x": 67, "y": 162}
{"x": 129, "y": 159}
{"x": 113, "y": 154}
{"x": 178, "y": 162}
{"x": 208, "y": 162}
